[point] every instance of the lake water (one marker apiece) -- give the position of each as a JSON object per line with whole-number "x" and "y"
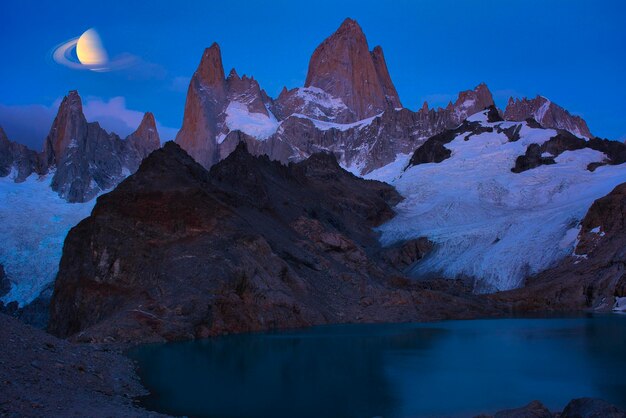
{"x": 452, "y": 368}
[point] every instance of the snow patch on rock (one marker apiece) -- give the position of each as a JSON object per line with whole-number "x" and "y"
{"x": 321, "y": 98}
{"x": 325, "y": 126}
{"x": 258, "y": 125}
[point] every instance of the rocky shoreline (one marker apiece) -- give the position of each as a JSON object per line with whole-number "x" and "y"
{"x": 44, "y": 376}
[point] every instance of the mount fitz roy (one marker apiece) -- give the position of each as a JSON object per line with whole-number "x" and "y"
{"x": 478, "y": 183}
{"x": 348, "y": 106}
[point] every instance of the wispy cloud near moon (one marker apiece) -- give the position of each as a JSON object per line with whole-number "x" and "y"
{"x": 29, "y": 124}
{"x": 96, "y": 59}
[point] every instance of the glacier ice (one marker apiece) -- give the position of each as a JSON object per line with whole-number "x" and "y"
{"x": 489, "y": 224}
{"x": 34, "y": 221}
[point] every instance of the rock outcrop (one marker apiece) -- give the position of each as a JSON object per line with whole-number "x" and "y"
{"x": 433, "y": 150}
{"x": 344, "y": 67}
{"x": 594, "y": 276}
{"x": 547, "y": 113}
{"x": 176, "y": 252}
{"x": 537, "y": 155}
{"x": 217, "y": 105}
{"x": 18, "y": 160}
{"x": 87, "y": 159}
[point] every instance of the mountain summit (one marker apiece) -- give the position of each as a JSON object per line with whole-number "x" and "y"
{"x": 547, "y": 113}
{"x": 344, "y": 67}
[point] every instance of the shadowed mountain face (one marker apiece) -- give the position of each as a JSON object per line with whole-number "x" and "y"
{"x": 176, "y": 252}
{"x": 17, "y": 159}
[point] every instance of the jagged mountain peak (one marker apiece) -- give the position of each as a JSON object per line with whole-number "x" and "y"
{"x": 349, "y": 26}
{"x": 470, "y": 102}
{"x": 210, "y": 72}
{"x": 68, "y": 126}
{"x": 146, "y": 138}
{"x": 389, "y": 89}
{"x": 147, "y": 122}
{"x": 547, "y": 113}
{"x": 233, "y": 74}
{"x": 73, "y": 100}
{"x": 343, "y": 66}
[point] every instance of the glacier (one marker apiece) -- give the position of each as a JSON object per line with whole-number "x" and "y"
{"x": 34, "y": 221}
{"x": 489, "y": 224}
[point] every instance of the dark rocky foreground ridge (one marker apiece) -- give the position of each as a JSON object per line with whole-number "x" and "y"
{"x": 177, "y": 252}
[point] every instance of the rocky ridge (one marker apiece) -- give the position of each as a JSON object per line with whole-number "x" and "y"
{"x": 547, "y": 113}
{"x": 348, "y": 106}
{"x": 176, "y": 252}
{"x": 83, "y": 158}
{"x": 87, "y": 159}
{"x": 17, "y": 160}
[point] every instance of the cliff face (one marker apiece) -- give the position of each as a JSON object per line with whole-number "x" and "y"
{"x": 176, "y": 252}
{"x": 344, "y": 67}
{"x": 87, "y": 159}
{"x": 205, "y": 99}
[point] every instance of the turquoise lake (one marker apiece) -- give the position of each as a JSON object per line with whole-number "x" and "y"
{"x": 443, "y": 369}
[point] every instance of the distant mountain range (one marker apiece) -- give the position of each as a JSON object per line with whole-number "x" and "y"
{"x": 479, "y": 183}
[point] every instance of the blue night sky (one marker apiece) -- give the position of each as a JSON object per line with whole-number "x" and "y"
{"x": 573, "y": 52}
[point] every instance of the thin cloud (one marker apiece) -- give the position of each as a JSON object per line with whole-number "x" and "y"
{"x": 114, "y": 116}
{"x": 180, "y": 84}
{"x": 30, "y": 124}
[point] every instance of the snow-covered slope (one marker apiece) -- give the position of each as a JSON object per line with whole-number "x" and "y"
{"x": 487, "y": 222}
{"x": 34, "y": 221}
